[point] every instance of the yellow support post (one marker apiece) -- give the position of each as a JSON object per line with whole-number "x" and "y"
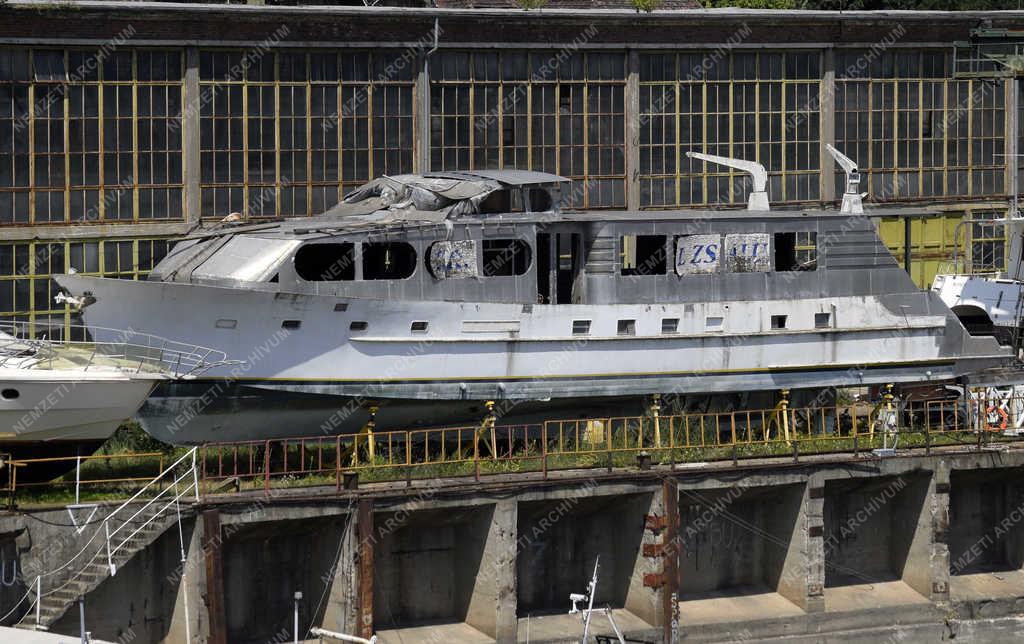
{"x": 784, "y": 408}
{"x": 487, "y": 427}
{"x": 656, "y": 414}
{"x": 366, "y": 431}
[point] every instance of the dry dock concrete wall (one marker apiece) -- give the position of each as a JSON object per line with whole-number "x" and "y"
{"x": 915, "y": 548}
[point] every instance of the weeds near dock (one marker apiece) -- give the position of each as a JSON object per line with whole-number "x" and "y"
{"x": 131, "y": 459}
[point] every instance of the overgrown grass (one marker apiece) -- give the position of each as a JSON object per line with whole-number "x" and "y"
{"x": 244, "y": 468}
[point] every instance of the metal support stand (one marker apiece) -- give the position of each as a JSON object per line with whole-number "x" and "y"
{"x": 487, "y": 429}
{"x": 81, "y": 620}
{"x": 367, "y": 432}
{"x": 656, "y": 415}
{"x": 888, "y": 422}
{"x": 588, "y": 612}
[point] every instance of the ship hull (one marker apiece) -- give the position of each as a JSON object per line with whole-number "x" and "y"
{"x": 49, "y": 407}
{"x": 304, "y": 355}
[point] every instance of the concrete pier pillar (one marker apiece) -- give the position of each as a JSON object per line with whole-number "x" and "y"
{"x": 342, "y": 610}
{"x": 492, "y": 603}
{"x": 938, "y": 502}
{"x": 646, "y": 596}
{"x": 811, "y": 525}
{"x": 190, "y": 601}
{"x": 212, "y": 542}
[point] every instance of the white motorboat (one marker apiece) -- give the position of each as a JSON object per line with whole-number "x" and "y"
{"x": 59, "y": 394}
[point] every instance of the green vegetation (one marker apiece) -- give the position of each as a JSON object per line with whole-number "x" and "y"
{"x": 531, "y": 4}
{"x": 315, "y": 465}
{"x": 870, "y": 5}
{"x": 645, "y": 5}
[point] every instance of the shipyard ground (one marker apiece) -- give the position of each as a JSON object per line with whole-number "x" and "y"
{"x": 912, "y": 548}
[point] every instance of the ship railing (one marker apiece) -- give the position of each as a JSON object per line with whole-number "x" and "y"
{"x": 88, "y": 347}
{"x": 615, "y": 441}
{"x": 987, "y": 418}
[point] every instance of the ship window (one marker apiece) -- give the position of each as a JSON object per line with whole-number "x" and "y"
{"x": 627, "y": 327}
{"x": 357, "y": 325}
{"x": 388, "y": 260}
{"x": 419, "y": 326}
{"x": 10, "y": 394}
{"x": 505, "y": 257}
{"x": 713, "y": 323}
{"x": 226, "y": 324}
{"x": 501, "y": 201}
{"x": 291, "y": 325}
{"x": 643, "y": 255}
{"x": 539, "y": 199}
{"x": 326, "y": 262}
{"x": 670, "y": 325}
{"x": 341, "y": 307}
{"x": 796, "y": 251}
{"x": 580, "y": 327}
{"x": 779, "y": 321}
{"x": 822, "y": 320}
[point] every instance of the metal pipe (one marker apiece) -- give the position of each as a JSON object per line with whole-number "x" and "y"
{"x": 906, "y": 245}
{"x": 81, "y": 619}
{"x": 298, "y": 598}
{"x": 320, "y": 632}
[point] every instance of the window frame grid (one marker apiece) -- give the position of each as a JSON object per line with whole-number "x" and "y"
{"x": 712, "y": 90}
{"x": 37, "y": 266}
{"x": 335, "y": 142}
{"x": 63, "y": 88}
{"x": 533, "y": 93}
{"x": 955, "y": 131}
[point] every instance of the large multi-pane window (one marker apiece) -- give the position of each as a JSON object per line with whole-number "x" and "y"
{"x": 542, "y": 110}
{"x": 27, "y": 290}
{"x": 89, "y": 135}
{"x": 756, "y": 106}
{"x": 288, "y": 133}
{"x": 914, "y": 130}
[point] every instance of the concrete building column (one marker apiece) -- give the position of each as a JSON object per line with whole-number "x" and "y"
{"x": 632, "y": 117}
{"x": 827, "y": 123}
{"x": 421, "y": 122}
{"x": 812, "y": 525}
{"x": 190, "y": 141}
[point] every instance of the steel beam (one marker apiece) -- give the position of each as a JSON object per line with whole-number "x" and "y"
{"x": 670, "y": 552}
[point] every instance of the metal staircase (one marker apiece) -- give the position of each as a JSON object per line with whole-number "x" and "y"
{"x": 127, "y": 530}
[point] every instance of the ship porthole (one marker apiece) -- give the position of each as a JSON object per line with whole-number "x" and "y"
{"x": 10, "y": 394}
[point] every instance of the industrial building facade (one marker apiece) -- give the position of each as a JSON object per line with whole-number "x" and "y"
{"x": 125, "y": 124}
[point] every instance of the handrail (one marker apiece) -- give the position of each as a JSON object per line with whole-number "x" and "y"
{"x": 105, "y": 527}
{"x": 124, "y": 349}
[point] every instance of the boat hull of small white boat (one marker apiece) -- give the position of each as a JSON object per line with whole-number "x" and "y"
{"x": 41, "y": 405}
